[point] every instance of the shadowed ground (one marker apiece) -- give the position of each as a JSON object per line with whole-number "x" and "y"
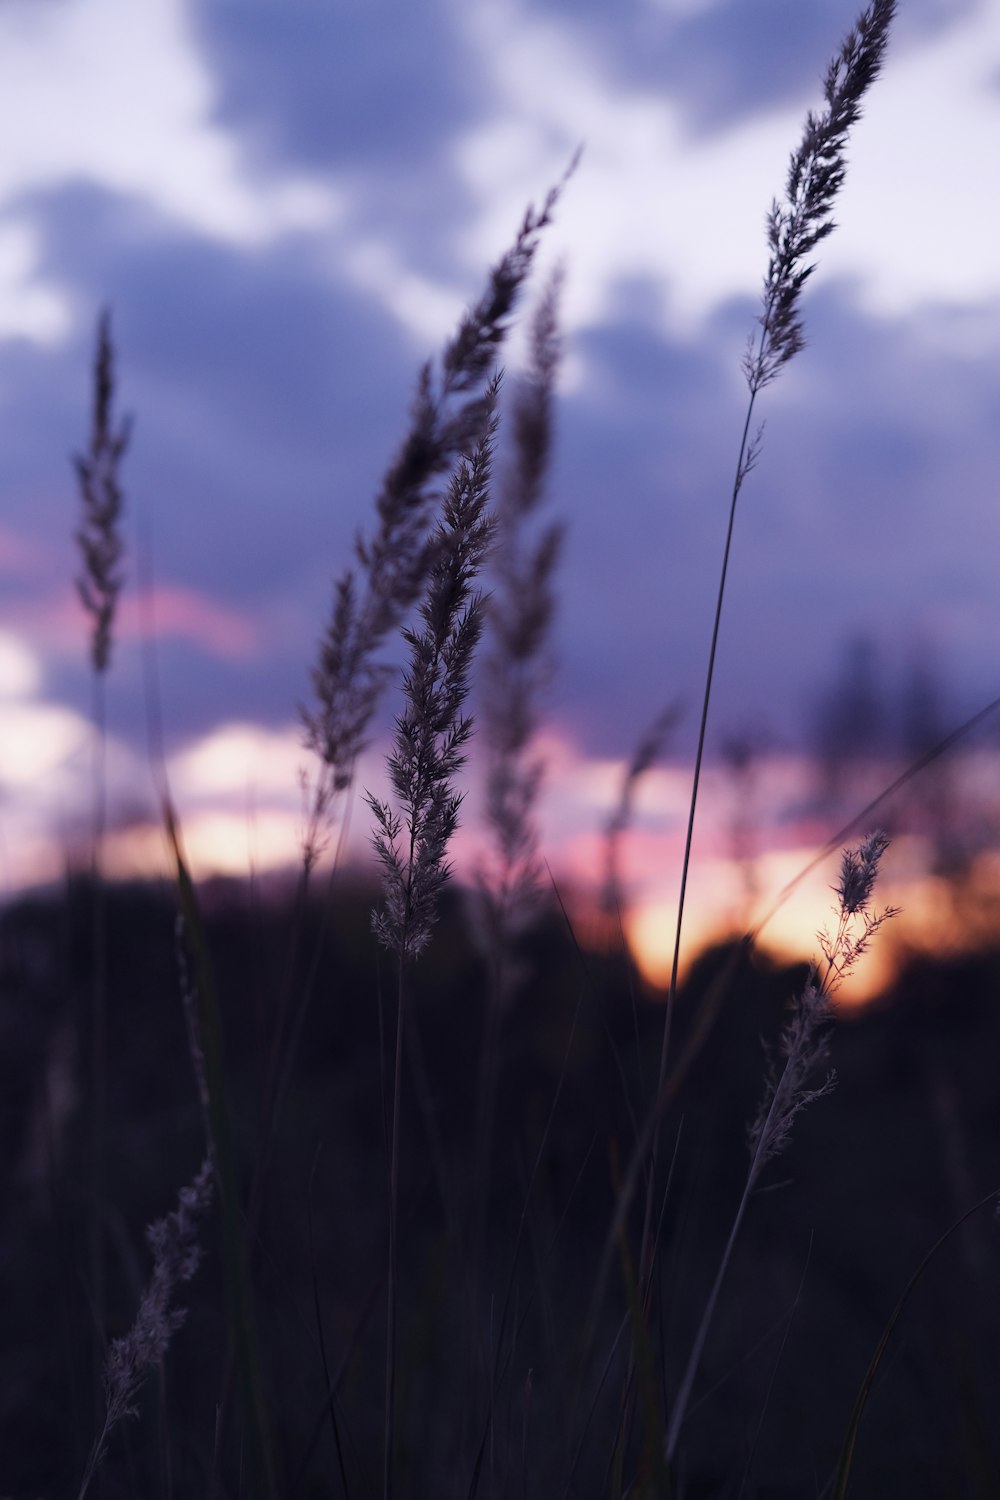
{"x": 875, "y": 1172}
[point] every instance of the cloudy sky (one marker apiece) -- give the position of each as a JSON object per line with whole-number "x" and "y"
{"x": 287, "y": 203}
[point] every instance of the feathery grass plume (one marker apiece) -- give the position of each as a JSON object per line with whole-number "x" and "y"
{"x": 432, "y": 732}
{"x": 99, "y": 537}
{"x": 804, "y": 1040}
{"x": 518, "y": 617}
{"x": 805, "y": 1049}
{"x": 815, "y": 175}
{"x": 348, "y": 680}
{"x": 176, "y": 1256}
{"x": 99, "y": 584}
{"x": 429, "y": 749}
{"x": 794, "y": 228}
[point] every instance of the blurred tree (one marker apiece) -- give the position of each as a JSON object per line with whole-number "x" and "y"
{"x": 851, "y": 728}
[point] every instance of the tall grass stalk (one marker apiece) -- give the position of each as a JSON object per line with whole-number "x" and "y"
{"x": 99, "y": 584}
{"x": 804, "y": 1047}
{"x": 795, "y": 226}
{"x": 203, "y": 1023}
{"x": 428, "y": 751}
{"x": 130, "y": 1359}
{"x": 203, "y": 1016}
{"x": 723, "y": 984}
{"x": 371, "y": 599}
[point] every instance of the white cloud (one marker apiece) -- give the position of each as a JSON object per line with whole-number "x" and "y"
{"x": 115, "y": 93}
{"x": 41, "y": 743}
{"x": 20, "y": 669}
{"x": 241, "y": 760}
{"x": 36, "y": 743}
{"x": 428, "y": 311}
{"x": 28, "y": 309}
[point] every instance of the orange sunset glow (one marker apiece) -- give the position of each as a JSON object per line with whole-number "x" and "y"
{"x": 239, "y": 793}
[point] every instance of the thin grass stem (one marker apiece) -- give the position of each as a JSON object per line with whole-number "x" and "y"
{"x": 815, "y": 175}
{"x": 804, "y": 1046}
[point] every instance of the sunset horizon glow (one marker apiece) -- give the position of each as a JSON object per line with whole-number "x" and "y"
{"x": 239, "y": 794}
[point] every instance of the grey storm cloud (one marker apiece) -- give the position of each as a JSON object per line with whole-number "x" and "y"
{"x": 369, "y": 90}
{"x": 329, "y": 85}
{"x": 258, "y": 382}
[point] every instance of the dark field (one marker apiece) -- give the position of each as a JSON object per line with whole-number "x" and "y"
{"x": 510, "y": 1378}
